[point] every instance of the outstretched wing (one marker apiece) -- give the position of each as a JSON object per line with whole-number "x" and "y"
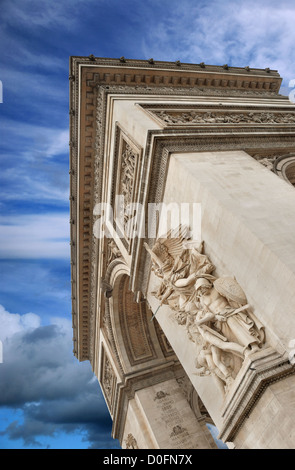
{"x": 173, "y": 240}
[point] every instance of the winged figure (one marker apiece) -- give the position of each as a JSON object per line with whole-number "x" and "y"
{"x": 178, "y": 262}
{"x": 215, "y": 310}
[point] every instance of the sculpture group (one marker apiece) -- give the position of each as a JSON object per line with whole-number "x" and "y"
{"x": 213, "y": 309}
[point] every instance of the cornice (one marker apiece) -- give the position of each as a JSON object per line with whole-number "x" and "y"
{"x": 151, "y": 64}
{"x": 253, "y": 381}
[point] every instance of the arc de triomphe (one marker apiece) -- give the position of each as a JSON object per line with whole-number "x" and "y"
{"x": 182, "y": 248}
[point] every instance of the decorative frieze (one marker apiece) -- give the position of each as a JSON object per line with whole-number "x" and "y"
{"x": 195, "y": 117}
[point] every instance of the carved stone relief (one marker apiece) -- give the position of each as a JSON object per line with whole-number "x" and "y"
{"x": 108, "y": 379}
{"x": 113, "y": 251}
{"x": 127, "y": 174}
{"x": 126, "y": 185}
{"x": 189, "y": 117}
{"x": 214, "y": 310}
{"x": 282, "y": 165}
{"x": 130, "y": 442}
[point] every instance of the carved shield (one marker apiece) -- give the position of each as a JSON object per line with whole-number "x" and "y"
{"x": 229, "y": 288}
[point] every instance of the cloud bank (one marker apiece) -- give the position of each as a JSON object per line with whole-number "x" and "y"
{"x": 238, "y": 33}
{"x": 40, "y": 377}
{"x": 35, "y": 236}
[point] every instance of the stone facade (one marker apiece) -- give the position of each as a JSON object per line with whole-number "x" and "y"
{"x": 183, "y": 332}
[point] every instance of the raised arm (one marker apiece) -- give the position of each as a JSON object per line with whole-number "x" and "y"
{"x": 206, "y": 319}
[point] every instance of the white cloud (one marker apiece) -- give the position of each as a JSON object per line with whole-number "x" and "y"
{"x": 35, "y": 236}
{"x": 53, "y": 391}
{"x": 57, "y": 143}
{"x": 12, "y": 323}
{"x": 26, "y": 56}
{"x": 259, "y": 34}
{"x": 33, "y": 142}
{"x": 35, "y": 162}
{"x": 63, "y": 324}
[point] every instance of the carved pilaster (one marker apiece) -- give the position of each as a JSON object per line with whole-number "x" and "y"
{"x": 127, "y": 164}
{"x": 108, "y": 380}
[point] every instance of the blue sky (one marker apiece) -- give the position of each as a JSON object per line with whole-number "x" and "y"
{"x": 47, "y": 398}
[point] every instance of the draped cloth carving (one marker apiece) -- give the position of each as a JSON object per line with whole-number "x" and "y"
{"x": 213, "y": 309}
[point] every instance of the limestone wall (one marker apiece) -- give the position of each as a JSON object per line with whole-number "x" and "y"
{"x": 248, "y": 225}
